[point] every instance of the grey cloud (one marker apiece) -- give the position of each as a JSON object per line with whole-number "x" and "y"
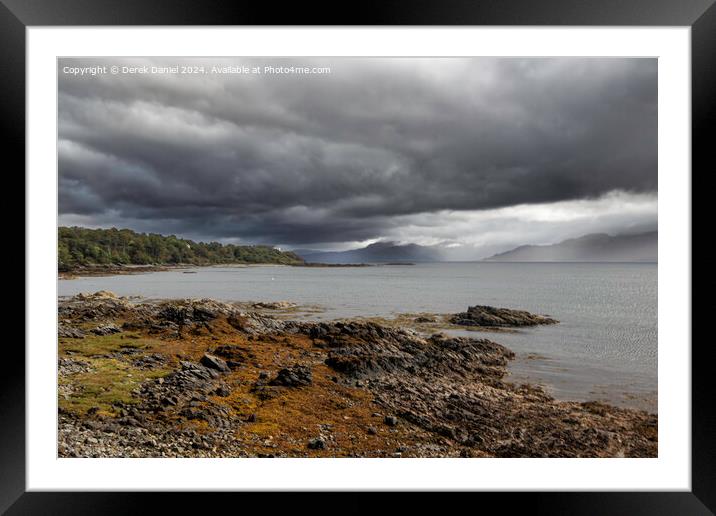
{"x": 341, "y": 157}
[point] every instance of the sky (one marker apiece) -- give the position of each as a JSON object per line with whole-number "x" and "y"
{"x": 475, "y": 155}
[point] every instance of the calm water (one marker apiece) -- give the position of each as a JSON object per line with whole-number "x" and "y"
{"x": 604, "y": 348}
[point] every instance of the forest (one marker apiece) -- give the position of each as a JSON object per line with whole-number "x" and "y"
{"x": 79, "y": 247}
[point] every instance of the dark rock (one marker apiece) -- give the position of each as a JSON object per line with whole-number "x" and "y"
{"x": 192, "y": 413}
{"x": 499, "y": 317}
{"x": 150, "y": 361}
{"x": 128, "y": 421}
{"x": 223, "y": 391}
{"x": 390, "y": 420}
{"x": 296, "y": 376}
{"x": 213, "y": 362}
{"x": 317, "y": 443}
{"x": 172, "y": 400}
{"x": 111, "y": 428}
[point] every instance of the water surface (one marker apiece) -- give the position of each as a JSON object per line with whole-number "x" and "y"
{"x": 605, "y": 346}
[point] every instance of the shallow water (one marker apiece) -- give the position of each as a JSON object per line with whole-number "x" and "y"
{"x": 605, "y": 346}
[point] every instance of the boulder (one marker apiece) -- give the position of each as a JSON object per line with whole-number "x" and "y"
{"x": 317, "y": 443}
{"x": 105, "y": 329}
{"x": 213, "y": 362}
{"x": 390, "y": 420}
{"x": 70, "y": 333}
{"x": 296, "y": 376}
{"x": 482, "y": 315}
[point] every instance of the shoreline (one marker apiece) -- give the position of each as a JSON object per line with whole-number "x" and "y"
{"x": 205, "y": 378}
{"x": 119, "y": 270}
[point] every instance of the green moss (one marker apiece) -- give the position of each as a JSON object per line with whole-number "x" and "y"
{"x": 108, "y": 383}
{"x": 110, "y": 380}
{"x": 94, "y": 345}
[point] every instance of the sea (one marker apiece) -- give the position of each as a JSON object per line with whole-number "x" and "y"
{"x": 604, "y": 348}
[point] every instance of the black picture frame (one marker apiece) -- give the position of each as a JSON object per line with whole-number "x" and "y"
{"x": 700, "y": 15}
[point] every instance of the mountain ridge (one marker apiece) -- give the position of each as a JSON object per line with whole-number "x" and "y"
{"x": 593, "y": 247}
{"x": 378, "y": 252}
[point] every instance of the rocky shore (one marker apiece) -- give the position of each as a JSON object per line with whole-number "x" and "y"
{"x": 201, "y": 378}
{"x": 114, "y": 269}
{"x": 490, "y": 316}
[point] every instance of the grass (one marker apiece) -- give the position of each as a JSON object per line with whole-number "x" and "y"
{"x": 96, "y": 345}
{"x": 110, "y": 380}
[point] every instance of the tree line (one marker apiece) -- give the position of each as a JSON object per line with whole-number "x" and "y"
{"x": 79, "y": 246}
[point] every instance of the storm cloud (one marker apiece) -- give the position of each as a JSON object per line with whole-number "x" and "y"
{"x": 370, "y": 150}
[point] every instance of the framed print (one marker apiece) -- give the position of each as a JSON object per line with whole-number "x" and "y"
{"x": 415, "y": 250}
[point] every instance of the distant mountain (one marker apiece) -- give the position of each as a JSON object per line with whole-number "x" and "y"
{"x": 597, "y": 247}
{"x": 380, "y": 252}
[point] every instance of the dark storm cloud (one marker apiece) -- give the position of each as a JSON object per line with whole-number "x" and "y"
{"x": 341, "y": 157}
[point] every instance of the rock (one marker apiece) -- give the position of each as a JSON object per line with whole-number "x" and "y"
{"x": 276, "y": 305}
{"x": 390, "y": 420}
{"x": 150, "y": 361}
{"x": 70, "y": 333}
{"x": 317, "y": 443}
{"x": 223, "y": 391}
{"x": 213, "y": 362}
{"x": 69, "y": 366}
{"x": 192, "y": 413}
{"x": 450, "y": 389}
{"x": 296, "y": 376}
{"x": 498, "y": 317}
{"x": 100, "y": 294}
{"x": 128, "y": 421}
{"x": 106, "y": 329}
{"x": 423, "y": 319}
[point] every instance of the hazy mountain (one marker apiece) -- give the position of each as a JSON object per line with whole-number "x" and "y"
{"x": 380, "y": 252}
{"x": 597, "y": 247}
